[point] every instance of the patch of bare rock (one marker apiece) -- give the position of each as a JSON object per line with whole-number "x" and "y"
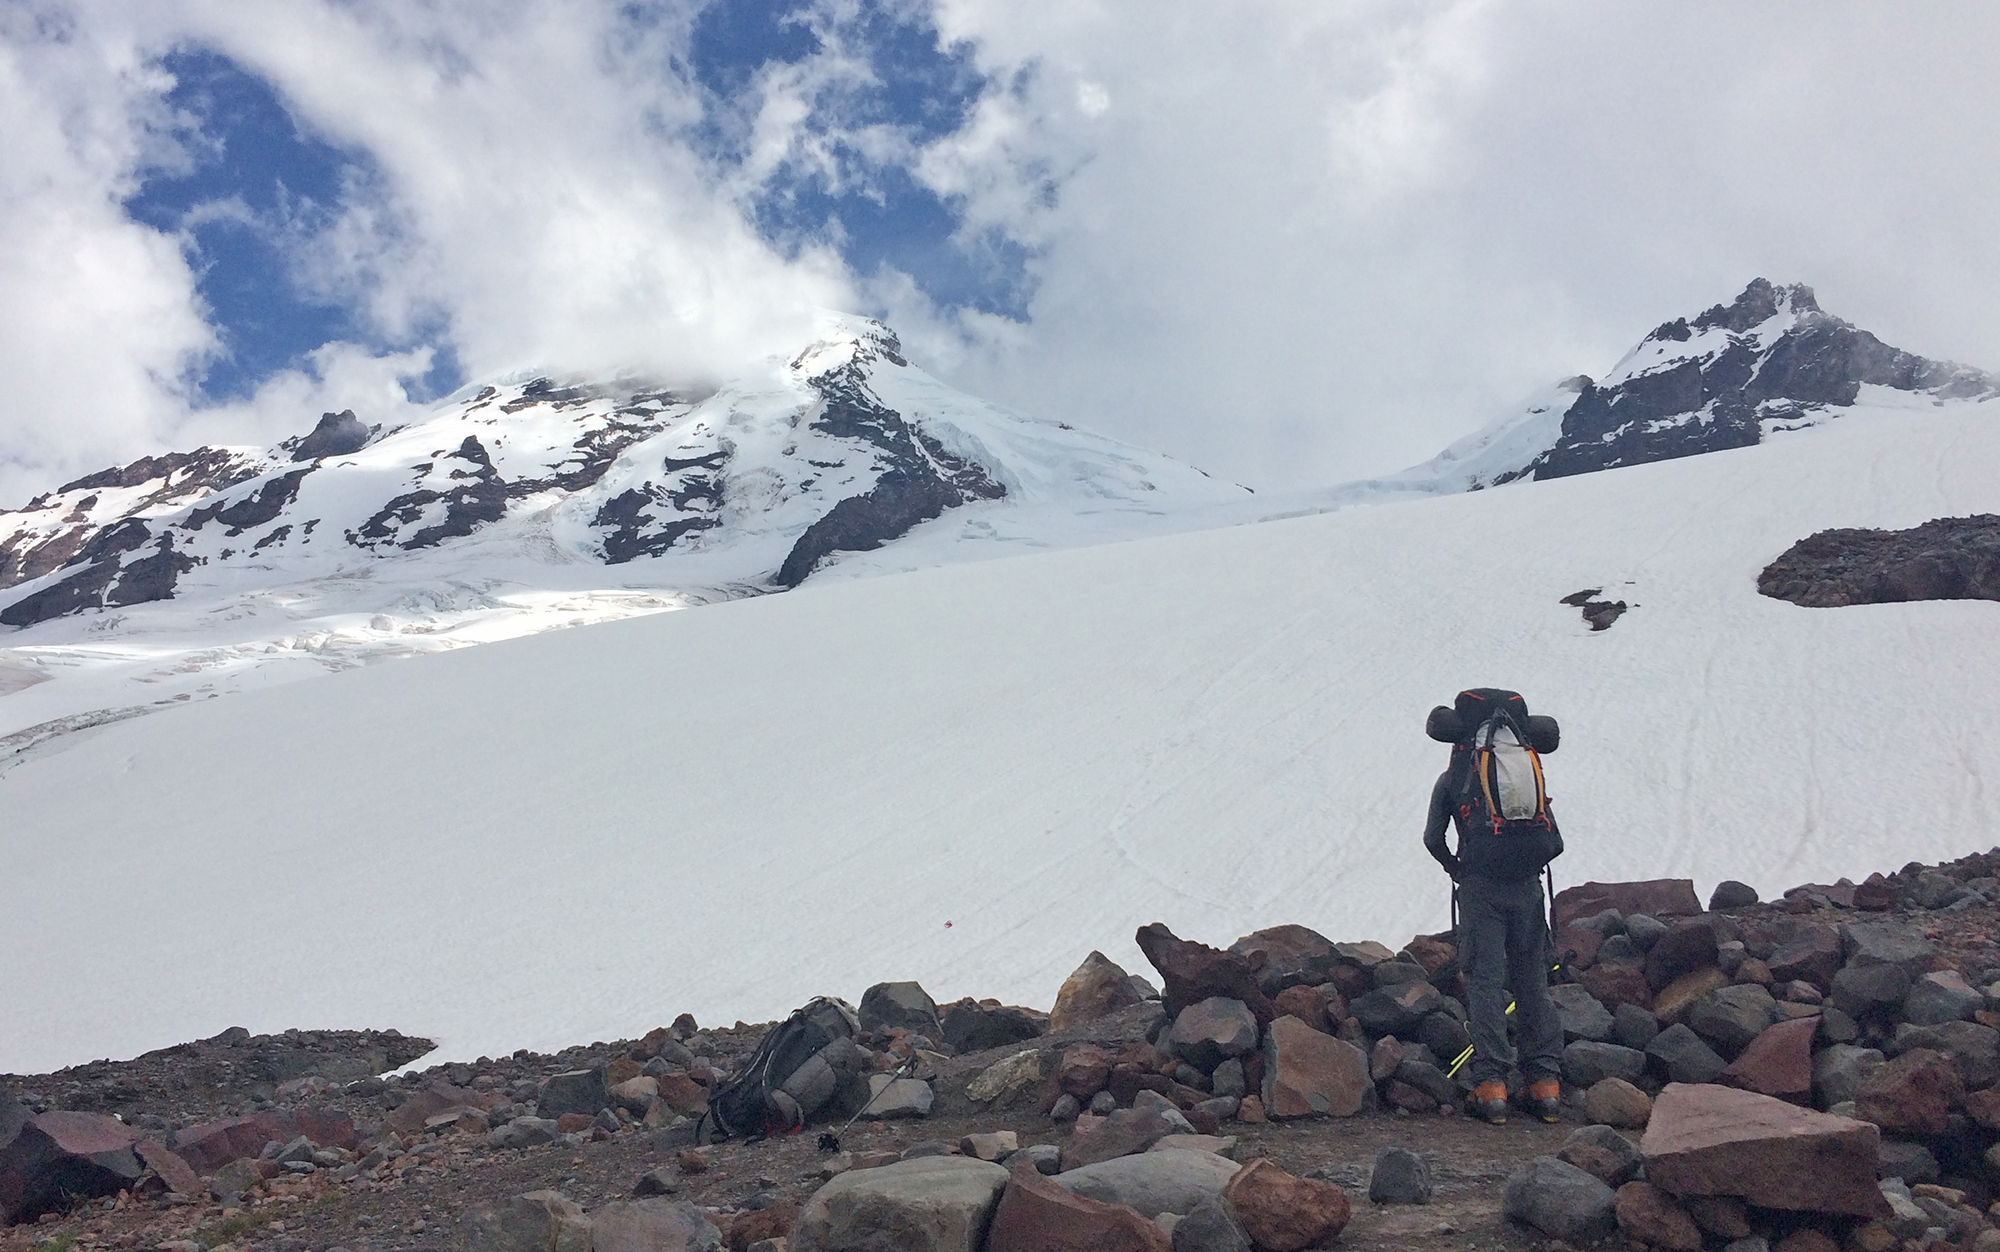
{"x": 1818, "y": 1072}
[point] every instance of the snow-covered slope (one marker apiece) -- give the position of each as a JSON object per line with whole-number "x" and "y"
{"x": 528, "y": 503}
{"x": 580, "y": 834}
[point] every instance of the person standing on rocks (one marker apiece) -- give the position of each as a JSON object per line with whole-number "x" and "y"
{"x": 1493, "y": 791}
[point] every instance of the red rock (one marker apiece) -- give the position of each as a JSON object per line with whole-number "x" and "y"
{"x": 1614, "y": 985}
{"x": 621, "y": 1069}
{"x": 408, "y": 1118}
{"x": 1706, "y": 1140}
{"x": 1123, "y": 1132}
{"x": 1282, "y": 1213}
{"x": 1192, "y": 972}
{"x": 1778, "y": 1062}
{"x": 1806, "y": 1239}
{"x": 774, "y": 1222}
{"x": 1582, "y": 944}
{"x": 173, "y": 1171}
{"x": 210, "y": 1146}
{"x": 1432, "y": 954}
{"x": 1385, "y": 1057}
{"x": 1307, "y": 1072}
{"x": 1876, "y": 895}
{"x": 1083, "y": 1069}
{"x": 1097, "y": 989}
{"x": 1659, "y": 897}
{"x": 1984, "y": 1107}
{"x": 682, "y": 1094}
{"x": 1306, "y": 1004}
{"x": 572, "y": 1123}
{"x": 49, "y": 1160}
{"x": 1686, "y": 947}
{"x": 650, "y": 1043}
{"x": 1035, "y": 1215}
{"x": 1401, "y": 1095}
{"x": 1911, "y": 1095}
{"x": 1127, "y": 1081}
{"x": 1650, "y": 1216}
{"x": 1290, "y": 955}
{"x": 1250, "y": 1111}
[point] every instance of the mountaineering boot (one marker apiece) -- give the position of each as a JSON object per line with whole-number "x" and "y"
{"x": 1545, "y": 1099}
{"x": 1489, "y": 1102}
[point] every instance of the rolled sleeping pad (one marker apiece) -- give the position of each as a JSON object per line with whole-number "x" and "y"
{"x": 1444, "y": 725}
{"x": 1544, "y": 736}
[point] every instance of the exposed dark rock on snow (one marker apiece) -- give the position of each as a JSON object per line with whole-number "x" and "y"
{"x": 470, "y": 498}
{"x": 1599, "y": 613}
{"x": 1949, "y": 558}
{"x": 336, "y": 435}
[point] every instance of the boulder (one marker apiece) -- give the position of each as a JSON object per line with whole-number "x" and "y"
{"x": 1123, "y": 1132}
{"x": 1729, "y": 1018}
{"x": 1561, "y": 1201}
{"x": 1010, "y": 1077}
{"x": 1308, "y": 1004}
{"x": 1659, "y": 897}
{"x": 540, "y": 1221}
{"x": 1036, "y": 1215}
{"x": 1777, "y": 1062}
{"x": 1941, "y": 997}
{"x": 992, "y": 1145}
{"x": 1424, "y": 1077}
{"x": 211, "y": 1145}
{"x": 1400, "y": 1176}
{"x": 929, "y": 1204}
{"x": 49, "y": 1160}
{"x": 1173, "y": 1180}
{"x": 1984, "y": 1107}
{"x": 1730, "y": 894}
{"x": 1809, "y": 952}
{"x": 1911, "y": 1095}
{"x": 1284, "y": 1213}
{"x": 1211, "y": 1031}
{"x": 1633, "y": 1026}
{"x": 1614, "y": 985}
{"x": 1975, "y": 1047}
{"x": 900, "y": 1006}
{"x": 1602, "y": 1153}
{"x": 652, "y": 1225}
{"x": 1445, "y": 1036}
{"x": 1307, "y": 1073}
{"x": 1687, "y": 946}
{"x": 172, "y": 1170}
{"x": 1228, "y": 1080}
{"x": 1712, "y": 1140}
{"x": 1211, "y": 1227}
{"x": 523, "y": 1132}
{"x": 1192, "y": 972}
{"x": 1616, "y": 1102}
{"x": 1384, "y": 1057}
{"x": 1583, "y": 1016}
{"x": 582, "y": 1091}
{"x": 1677, "y": 997}
{"x": 1397, "y": 1010}
{"x": 1083, "y": 1069}
{"x": 976, "y": 1025}
{"x": 1294, "y": 956}
{"x": 891, "y": 1098}
{"x": 1867, "y": 991}
{"x": 635, "y": 1095}
{"x": 1651, "y": 1217}
{"x": 1911, "y": 1162}
{"x": 1645, "y": 931}
{"x": 682, "y": 1094}
{"x": 1722, "y": 1215}
{"x": 1097, "y": 989}
{"x": 1886, "y": 943}
{"x": 1584, "y": 1064}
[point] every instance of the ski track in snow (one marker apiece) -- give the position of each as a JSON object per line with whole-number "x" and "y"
{"x": 580, "y": 834}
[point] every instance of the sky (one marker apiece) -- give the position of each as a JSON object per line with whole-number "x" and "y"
{"x": 1294, "y": 243}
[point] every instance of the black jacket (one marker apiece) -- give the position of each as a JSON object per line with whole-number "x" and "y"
{"x": 1441, "y": 816}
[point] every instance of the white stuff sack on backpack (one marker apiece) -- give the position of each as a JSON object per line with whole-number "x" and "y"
{"x": 1516, "y": 790}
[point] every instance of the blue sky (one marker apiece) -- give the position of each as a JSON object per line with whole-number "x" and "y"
{"x": 250, "y": 191}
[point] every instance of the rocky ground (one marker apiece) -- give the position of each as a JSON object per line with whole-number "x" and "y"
{"x": 420, "y": 1152}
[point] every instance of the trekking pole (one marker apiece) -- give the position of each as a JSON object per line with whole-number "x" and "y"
{"x": 830, "y": 1141}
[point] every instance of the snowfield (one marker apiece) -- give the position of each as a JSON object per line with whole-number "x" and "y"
{"x": 973, "y": 775}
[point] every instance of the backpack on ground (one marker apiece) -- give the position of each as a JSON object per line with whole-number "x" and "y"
{"x": 1500, "y": 802}
{"x": 796, "y": 1070}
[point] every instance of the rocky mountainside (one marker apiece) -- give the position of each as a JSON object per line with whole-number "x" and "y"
{"x": 1771, "y": 360}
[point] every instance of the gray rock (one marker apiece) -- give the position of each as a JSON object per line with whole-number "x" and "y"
{"x": 1210, "y": 1227}
{"x": 900, "y": 1006}
{"x": 1748, "y": 1243}
{"x": 1188, "y": 1076}
{"x": 1171, "y": 1181}
{"x": 1165, "y": 1108}
{"x": 1645, "y": 931}
{"x": 1906, "y": 1220}
{"x": 299, "y": 1149}
{"x": 1585, "y": 1063}
{"x": 1603, "y": 1153}
{"x": 1397, "y": 972}
{"x": 1221, "y": 1108}
{"x": 1144, "y": 986}
{"x": 892, "y": 1098}
{"x": 1836, "y": 1026}
{"x": 1886, "y": 943}
{"x": 1103, "y": 1103}
{"x": 1976, "y": 1048}
{"x": 1045, "y": 1157}
{"x": 1729, "y": 1018}
{"x": 661, "y": 1181}
{"x": 1396, "y": 1010}
{"x": 582, "y": 1091}
{"x": 1444, "y": 1032}
{"x": 1227, "y": 1080}
{"x": 540, "y": 1221}
{"x": 1911, "y": 1162}
{"x": 336, "y": 435}
{"x": 523, "y": 1132}
{"x": 1633, "y": 1026}
{"x": 1607, "y": 923}
{"x": 1941, "y": 997}
{"x": 1620, "y": 950}
{"x": 1684, "y": 1056}
{"x": 1561, "y": 1201}
{"x": 1839, "y": 1072}
{"x": 1211, "y": 1031}
{"x": 1429, "y": 1079}
{"x": 1065, "y": 1109}
{"x": 606, "y": 1120}
{"x": 1865, "y": 991}
{"x": 1730, "y": 894}
{"x": 932, "y": 1204}
{"x": 652, "y": 1225}
{"x": 1583, "y": 1017}
{"x": 1400, "y": 1176}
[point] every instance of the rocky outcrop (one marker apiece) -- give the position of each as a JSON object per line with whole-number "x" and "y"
{"x": 1948, "y": 558}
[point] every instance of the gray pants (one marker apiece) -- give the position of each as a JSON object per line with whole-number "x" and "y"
{"x": 1503, "y": 942}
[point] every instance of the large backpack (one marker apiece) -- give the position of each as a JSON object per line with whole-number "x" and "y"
{"x": 1499, "y": 801}
{"x": 795, "y": 1071}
